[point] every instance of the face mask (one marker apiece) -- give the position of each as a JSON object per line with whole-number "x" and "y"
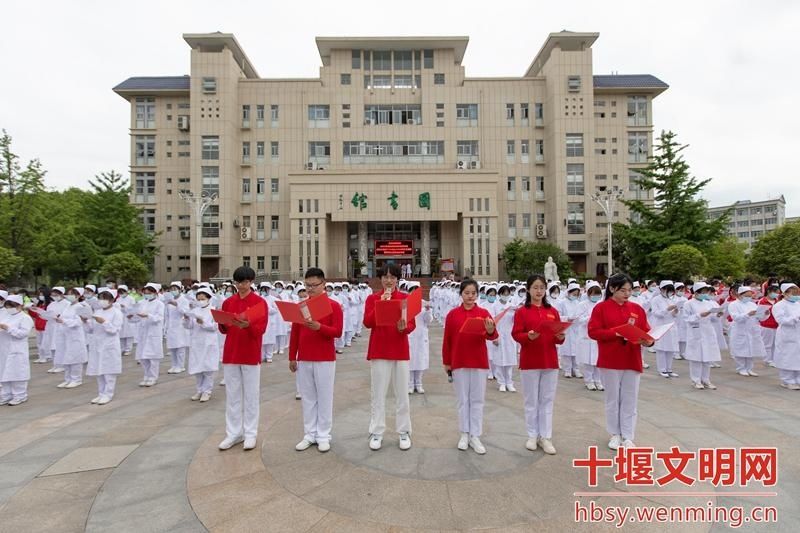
{"x": 595, "y": 298}
{"x": 278, "y": 290}
{"x": 71, "y": 298}
{"x": 88, "y": 295}
{"x": 105, "y": 304}
{"x": 175, "y": 294}
{"x": 572, "y": 298}
{"x": 746, "y": 299}
{"x": 653, "y": 289}
{"x": 637, "y": 292}
{"x": 228, "y": 295}
{"x": 793, "y": 299}
{"x": 149, "y": 297}
{"x": 483, "y": 296}
{"x": 109, "y": 285}
{"x": 12, "y": 310}
{"x": 203, "y": 303}
{"x": 555, "y": 295}
{"x": 491, "y": 299}
{"x": 57, "y": 297}
{"x": 773, "y": 296}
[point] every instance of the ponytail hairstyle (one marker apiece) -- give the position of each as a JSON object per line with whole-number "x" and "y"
{"x": 531, "y": 279}
{"x": 615, "y": 283}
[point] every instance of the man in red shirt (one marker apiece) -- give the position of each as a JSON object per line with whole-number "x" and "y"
{"x": 313, "y": 356}
{"x": 389, "y": 363}
{"x": 241, "y": 362}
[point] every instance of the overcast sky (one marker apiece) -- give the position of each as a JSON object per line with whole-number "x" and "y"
{"x": 731, "y": 67}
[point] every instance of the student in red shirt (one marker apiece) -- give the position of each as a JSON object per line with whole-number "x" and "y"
{"x": 619, "y": 361}
{"x": 538, "y": 362}
{"x": 241, "y": 363}
{"x": 313, "y": 356}
{"x": 466, "y": 356}
{"x": 389, "y": 363}
{"x": 769, "y": 326}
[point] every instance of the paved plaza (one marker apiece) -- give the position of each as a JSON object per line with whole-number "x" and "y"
{"x": 148, "y": 461}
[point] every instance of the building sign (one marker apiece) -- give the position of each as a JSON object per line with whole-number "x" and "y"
{"x": 394, "y": 247}
{"x": 448, "y": 265}
{"x": 360, "y": 201}
{"x": 393, "y": 200}
{"x": 425, "y": 200}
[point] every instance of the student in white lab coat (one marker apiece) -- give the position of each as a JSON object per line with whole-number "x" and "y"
{"x": 702, "y": 348}
{"x": 680, "y": 322}
{"x": 269, "y": 339}
{"x": 664, "y": 310}
{"x": 638, "y": 297}
{"x": 15, "y": 367}
{"x": 769, "y": 326}
{"x": 105, "y": 351}
{"x": 176, "y": 307}
{"x": 126, "y": 304}
{"x": 350, "y": 316}
{"x": 282, "y": 334}
{"x": 745, "y": 333}
{"x": 204, "y": 344}
{"x": 787, "y": 337}
{"x": 503, "y": 349}
{"x": 418, "y": 345}
{"x": 55, "y": 308}
{"x": 71, "y": 351}
{"x": 150, "y": 348}
{"x": 587, "y": 348}
{"x": 568, "y": 308}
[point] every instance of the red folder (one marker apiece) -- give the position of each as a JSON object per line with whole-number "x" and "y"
{"x": 634, "y": 334}
{"x": 316, "y": 308}
{"x": 388, "y": 312}
{"x": 255, "y": 313}
{"x": 473, "y": 325}
{"x": 291, "y": 312}
{"x": 223, "y": 317}
{"x": 414, "y": 304}
{"x": 555, "y": 327}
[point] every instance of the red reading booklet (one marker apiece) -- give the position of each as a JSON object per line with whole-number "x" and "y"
{"x": 555, "y": 327}
{"x": 473, "y": 325}
{"x": 223, "y": 317}
{"x": 389, "y": 312}
{"x": 315, "y": 308}
{"x": 633, "y": 334}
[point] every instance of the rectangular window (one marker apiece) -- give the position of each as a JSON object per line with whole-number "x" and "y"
{"x": 246, "y": 116}
{"x": 246, "y": 152}
{"x": 512, "y": 225}
{"x": 246, "y": 189}
{"x": 637, "y": 147}
{"x": 210, "y": 147}
{"x": 467, "y": 114}
{"x": 148, "y": 218}
{"x": 403, "y": 81}
{"x": 540, "y": 218}
{"x": 211, "y": 179}
{"x": 246, "y": 260}
{"x": 260, "y": 150}
{"x": 510, "y": 151}
{"x": 574, "y": 83}
{"x": 260, "y": 186}
{"x": 274, "y": 263}
{"x": 146, "y": 150}
{"x": 402, "y": 60}
{"x": 318, "y": 113}
{"x": 273, "y": 115}
{"x": 538, "y": 113}
{"x": 209, "y": 85}
{"x": 575, "y": 218}
{"x": 273, "y": 147}
{"x": 575, "y": 179}
{"x": 427, "y": 58}
{"x": 539, "y": 150}
{"x": 467, "y": 148}
{"x": 511, "y": 187}
{"x": 525, "y": 186}
{"x": 274, "y": 226}
{"x": 574, "y": 144}
{"x": 344, "y": 79}
{"x": 510, "y": 113}
{"x": 637, "y": 111}
{"x": 319, "y": 150}
{"x": 273, "y": 187}
{"x": 145, "y": 187}
{"x": 397, "y": 114}
{"x": 145, "y": 112}
{"x": 260, "y": 116}
{"x": 438, "y": 78}
{"x": 356, "y": 59}
{"x": 381, "y": 60}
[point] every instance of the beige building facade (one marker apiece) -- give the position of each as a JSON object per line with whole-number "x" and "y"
{"x": 391, "y": 155}
{"x": 750, "y": 220}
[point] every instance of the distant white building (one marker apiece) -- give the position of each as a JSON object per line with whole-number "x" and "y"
{"x": 750, "y": 220}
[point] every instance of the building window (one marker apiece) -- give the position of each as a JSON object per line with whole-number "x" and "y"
{"x": 318, "y": 150}
{"x": 467, "y": 114}
{"x": 356, "y": 59}
{"x": 273, "y": 115}
{"x": 393, "y": 152}
{"x": 465, "y": 149}
{"x": 512, "y": 225}
{"x": 148, "y": 218}
{"x": 145, "y": 112}
{"x": 260, "y": 150}
{"x": 273, "y": 187}
{"x": 274, "y": 226}
{"x": 427, "y": 58}
{"x": 145, "y": 187}
{"x": 574, "y": 83}
{"x": 211, "y": 179}
{"x": 538, "y": 113}
{"x": 210, "y": 227}
{"x": 260, "y": 186}
{"x": 145, "y": 150}
{"x": 575, "y": 179}
{"x": 575, "y": 218}
{"x": 438, "y": 78}
{"x": 637, "y": 147}
{"x": 274, "y": 263}
{"x": 510, "y": 114}
{"x": 273, "y": 149}
{"x": 246, "y": 152}
{"x": 393, "y": 114}
{"x": 637, "y": 111}
{"x": 246, "y": 260}
{"x": 510, "y": 151}
{"x": 525, "y": 186}
{"x": 260, "y": 262}
{"x": 574, "y": 144}
{"x": 210, "y": 147}
{"x": 345, "y": 79}
{"x": 539, "y": 150}
{"x": 319, "y": 116}
{"x": 245, "y": 188}
{"x": 260, "y": 116}
{"x": 246, "y": 116}
{"x": 209, "y": 85}
{"x": 576, "y": 246}
{"x": 540, "y": 187}
{"x": 526, "y": 224}
{"x": 511, "y": 187}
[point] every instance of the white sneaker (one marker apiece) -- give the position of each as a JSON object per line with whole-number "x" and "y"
{"x": 180, "y": 370}
{"x": 794, "y": 386}
{"x": 74, "y": 384}
{"x": 375, "y": 442}
{"x": 62, "y": 384}
{"x": 709, "y": 385}
{"x": 249, "y": 443}
{"x": 476, "y": 444}
{"x": 303, "y": 445}
{"x": 172, "y": 370}
{"x": 405, "y": 441}
{"x": 628, "y": 443}
{"x": 205, "y": 397}
{"x": 420, "y": 390}
{"x": 222, "y": 383}
{"x": 567, "y": 375}
{"x": 297, "y": 396}
{"x": 532, "y": 445}
{"x": 411, "y": 390}
{"x": 55, "y": 370}
{"x": 324, "y": 446}
{"x": 5, "y": 401}
{"x": 615, "y": 442}
{"x": 651, "y": 350}
{"x": 547, "y": 446}
{"x": 502, "y": 388}
{"x": 95, "y": 400}
{"x": 150, "y": 382}
{"x": 645, "y": 365}
{"x": 339, "y": 351}
{"x": 674, "y": 374}
{"x": 510, "y": 388}
{"x": 104, "y": 400}
{"x": 753, "y": 374}
{"x": 463, "y": 442}
{"x": 677, "y": 357}
{"x": 591, "y": 386}
{"x": 230, "y": 442}
{"x": 280, "y": 352}
{"x": 599, "y": 386}
{"x": 664, "y": 374}
{"x": 12, "y": 403}
{"x": 196, "y": 396}
{"x": 577, "y": 374}
{"x": 38, "y": 361}
{"x": 743, "y": 373}
{"x": 698, "y": 385}
{"x": 771, "y": 364}
{"x": 143, "y": 383}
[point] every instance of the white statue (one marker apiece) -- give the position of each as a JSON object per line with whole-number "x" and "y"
{"x": 550, "y": 270}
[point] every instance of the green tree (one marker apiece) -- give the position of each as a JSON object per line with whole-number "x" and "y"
{"x": 678, "y": 215}
{"x": 10, "y": 264}
{"x": 125, "y": 267}
{"x": 726, "y": 259}
{"x": 681, "y": 262}
{"x": 523, "y": 258}
{"x": 777, "y": 252}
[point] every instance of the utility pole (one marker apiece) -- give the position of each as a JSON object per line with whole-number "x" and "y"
{"x": 199, "y": 204}
{"x": 607, "y": 200}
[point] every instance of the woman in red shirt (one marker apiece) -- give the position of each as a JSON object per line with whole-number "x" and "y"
{"x": 466, "y": 356}
{"x": 538, "y": 362}
{"x": 619, "y": 361}
{"x": 769, "y": 326}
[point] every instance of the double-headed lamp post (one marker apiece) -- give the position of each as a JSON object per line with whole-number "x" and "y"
{"x": 606, "y": 200}
{"x": 199, "y": 204}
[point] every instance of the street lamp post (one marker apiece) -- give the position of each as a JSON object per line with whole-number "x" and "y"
{"x": 199, "y": 204}
{"x": 606, "y": 200}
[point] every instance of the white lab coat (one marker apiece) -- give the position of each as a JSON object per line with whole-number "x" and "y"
{"x": 418, "y": 344}
{"x": 787, "y": 338}
{"x": 49, "y": 340}
{"x": 14, "y": 356}
{"x": 150, "y": 341}
{"x": 745, "y": 333}
{"x": 126, "y": 306}
{"x": 105, "y": 354}
{"x": 658, "y": 316}
{"x": 701, "y": 337}
{"x": 505, "y": 354}
{"x": 586, "y": 348}
{"x": 568, "y": 310}
{"x": 273, "y": 317}
{"x": 680, "y": 320}
{"x": 177, "y": 335}
{"x": 71, "y": 337}
{"x": 204, "y": 346}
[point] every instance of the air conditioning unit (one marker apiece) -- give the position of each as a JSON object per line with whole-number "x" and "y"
{"x": 183, "y": 122}
{"x": 311, "y": 166}
{"x": 369, "y": 121}
{"x": 411, "y": 121}
{"x": 541, "y": 231}
{"x": 236, "y": 222}
{"x": 246, "y": 233}
{"x": 185, "y": 234}
{"x": 475, "y": 165}
{"x": 461, "y": 165}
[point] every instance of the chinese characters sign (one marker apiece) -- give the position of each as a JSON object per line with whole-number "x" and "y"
{"x": 359, "y": 200}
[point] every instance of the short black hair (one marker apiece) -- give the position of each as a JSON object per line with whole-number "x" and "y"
{"x": 315, "y": 272}
{"x": 617, "y": 281}
{"x": 466, "y": 283}
{"x": 392, "y": 269}
{"x": 244, "y": 273}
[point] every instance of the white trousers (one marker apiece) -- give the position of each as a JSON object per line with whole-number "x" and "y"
{"x": 266, "y": 352}
{"x": 383, "y": 373}
{"x": 700, "y": 372}
{"x": 39, "y": 349}
{"x": 242, "y": 391}
{"x": 744, "y": 364}
{"x": 205, "y": 381}
{"x": 787, "y": 376}
{"x": 14, "y": 390}
{"x": 621, "y": 397}
{"x": 178, "y": 356}
{"x": 315, "y": 380}
{"x": 126, "y": 343}
{"x": 591, "y": 374}
{"x": 415, "y": 378}
{"x": 73, "y": 373}
{"x": 470, "y": 386}
{"x": 150, "y": 367}
{"x": 681, "y": 348}
{"x": 568, "y": 364}
{"x": 348, "y": 338}
{"x": 106, "y": 385}
{"x": 492, "y": 369}
{"x": 664, "y": 360}
{"x": 768, "y": 336}
{"x": 504, "y": 374}
{"x": 281, "y": 341}
{"x": 539, "y": 392}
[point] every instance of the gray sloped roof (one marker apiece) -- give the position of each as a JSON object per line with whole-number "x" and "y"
{"x": 154, "y": 83}
{"x": 622, "y": 81}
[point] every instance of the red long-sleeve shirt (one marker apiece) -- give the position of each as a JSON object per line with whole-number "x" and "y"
{"x": 243, "y": 345}
{"x": 613, "y": 351}
{"x": 465, "y": 350}
{"x": 770, "y": 321}
{"x": 386, "y": 342}
{"x": 305, "y": 344}
{"x": 539, "y": 353}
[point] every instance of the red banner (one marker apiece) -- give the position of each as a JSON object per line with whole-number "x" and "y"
{"x": 394, "y": 247}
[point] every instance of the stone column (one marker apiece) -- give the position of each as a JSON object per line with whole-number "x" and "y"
{"x": 425, "y": 249}
{"x": 362, "y": 243}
